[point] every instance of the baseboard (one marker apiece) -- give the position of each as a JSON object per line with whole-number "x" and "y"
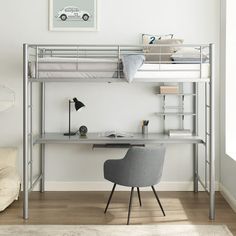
{"x": 228, "y": 197}
{"x": 106, "y": 186}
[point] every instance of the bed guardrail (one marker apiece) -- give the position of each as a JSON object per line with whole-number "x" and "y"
{"x": 46, "y": 59}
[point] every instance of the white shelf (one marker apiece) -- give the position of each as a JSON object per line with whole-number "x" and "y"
{"x": 175, "y": 94}
{"x": 175, "y": 114}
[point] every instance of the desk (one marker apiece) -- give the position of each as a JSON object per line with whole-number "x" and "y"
{"x": 98, "y": 138}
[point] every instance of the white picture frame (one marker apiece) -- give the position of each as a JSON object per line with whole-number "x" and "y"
{"x": 73, "y": 15}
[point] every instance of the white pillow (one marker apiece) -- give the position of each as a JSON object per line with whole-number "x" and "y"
{"x": 188, "y": 52}
{"x": 8, "y": 157}
{"x": 167, "y": 51}
{"x": 151, "y": 39}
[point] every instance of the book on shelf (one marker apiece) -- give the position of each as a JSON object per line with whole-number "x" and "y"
{"x": 169, "y": 89}
{"x": 116, "y": 134}
{"x": 180, "y": 132}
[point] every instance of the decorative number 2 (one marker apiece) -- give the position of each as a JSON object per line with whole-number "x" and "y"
{"x": 152, "y": 40}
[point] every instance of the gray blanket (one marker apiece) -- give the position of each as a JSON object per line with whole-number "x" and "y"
{"x": 131, "y": 63}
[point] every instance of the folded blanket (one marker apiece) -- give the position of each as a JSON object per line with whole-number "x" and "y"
{"x": 189, "y": 56}
{"x": 131, "y": 63}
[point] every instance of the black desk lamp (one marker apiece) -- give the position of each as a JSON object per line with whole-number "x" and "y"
{"x": 78, "y": 105}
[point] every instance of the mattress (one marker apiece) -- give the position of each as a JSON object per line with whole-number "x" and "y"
{"x": 92, "y": 68}
{"x": 152, "y": 71}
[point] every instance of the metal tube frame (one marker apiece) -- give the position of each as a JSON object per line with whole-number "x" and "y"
{"x": 25, "y": 133}
{"x": 212, "y": 133}
{"x": 28, "y": 141}
{"x": 42, "y": 131}
{"x": 195, "y": 148}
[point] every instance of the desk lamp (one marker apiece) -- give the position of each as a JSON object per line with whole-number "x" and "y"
{"x": 78, "y": 105}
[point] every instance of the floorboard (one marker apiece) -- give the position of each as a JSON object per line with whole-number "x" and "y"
{"x": 88, "y": 207}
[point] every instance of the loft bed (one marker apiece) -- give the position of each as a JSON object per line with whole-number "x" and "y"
{"x": 159, "y": 64}
{"x": 104, "y": 63}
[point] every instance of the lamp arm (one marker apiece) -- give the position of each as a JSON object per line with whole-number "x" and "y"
{"x": 69, "y": 116}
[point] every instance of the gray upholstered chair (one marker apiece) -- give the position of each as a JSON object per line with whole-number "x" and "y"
{"x": 141, "y": 167}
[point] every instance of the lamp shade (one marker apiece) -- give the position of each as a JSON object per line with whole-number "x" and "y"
{"x": 78, "y": 104}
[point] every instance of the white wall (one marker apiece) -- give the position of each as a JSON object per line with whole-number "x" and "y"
{"x": 227, "y": 164}
{"x": 121, "y": 22}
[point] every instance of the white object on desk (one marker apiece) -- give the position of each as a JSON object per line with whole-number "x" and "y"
{"x": 115, "y": 134}
{"x": 180, "y": 132}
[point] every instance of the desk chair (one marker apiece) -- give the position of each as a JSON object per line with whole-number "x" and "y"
{"x": 141, "y": 167}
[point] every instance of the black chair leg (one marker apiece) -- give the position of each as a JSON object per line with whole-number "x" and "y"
{"x": 154, "y": 191}
{"x": 130, "y": 204}
{"x": 139, "y": 197}
{"x": 112, "y": 191}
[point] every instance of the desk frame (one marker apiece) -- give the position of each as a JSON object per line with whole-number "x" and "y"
{"x": 29, "y": 141}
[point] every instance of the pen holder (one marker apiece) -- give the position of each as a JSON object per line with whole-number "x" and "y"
{"x": 144, "y": 129}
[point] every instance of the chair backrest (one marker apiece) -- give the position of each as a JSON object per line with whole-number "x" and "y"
{"x": 145, "y": 165}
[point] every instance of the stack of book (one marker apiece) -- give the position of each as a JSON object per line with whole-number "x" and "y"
{"x": 180, "y": 132}
{"x": 169, "y": 89}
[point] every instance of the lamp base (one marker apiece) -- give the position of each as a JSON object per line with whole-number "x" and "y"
{"x": 70, "y": 134}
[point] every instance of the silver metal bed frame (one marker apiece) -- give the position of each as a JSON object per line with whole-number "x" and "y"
{"x": 33, "y": 52}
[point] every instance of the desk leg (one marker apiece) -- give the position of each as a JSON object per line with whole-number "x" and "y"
{"x": 195, "y": 168}
{"x": 42, "y": 158}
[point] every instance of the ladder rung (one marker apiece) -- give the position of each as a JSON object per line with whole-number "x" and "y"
{"x": 207, "y": 162}
{"x": 172, "y": 107}
{"x": 208, "y": 134}
{"x": 208, "y": 106}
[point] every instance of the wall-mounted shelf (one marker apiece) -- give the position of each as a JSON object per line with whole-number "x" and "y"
{"x": 175, "y": 114}
{"x": 176, "y": 94}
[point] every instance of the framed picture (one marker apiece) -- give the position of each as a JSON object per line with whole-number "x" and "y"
{"x": 73, "y": 15}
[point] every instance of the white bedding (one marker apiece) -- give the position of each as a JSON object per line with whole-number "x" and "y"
{"x": 75, "y": 68}
{"x": 88, "y": 68}
{"x": 152, "y": 71}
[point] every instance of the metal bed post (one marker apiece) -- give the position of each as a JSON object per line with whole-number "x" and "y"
{"x": 206, "y": 110}
{"x": 195, "y": 148}
{"x": 42, "y": 131}
{"x": 212, "y": 133}
{"x": 30, "y": 107}
{"x": 25, "y": 133}
{"x": 42, "y": 124}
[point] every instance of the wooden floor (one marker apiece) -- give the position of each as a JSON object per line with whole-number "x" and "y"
{"x": 88, "y": 207}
